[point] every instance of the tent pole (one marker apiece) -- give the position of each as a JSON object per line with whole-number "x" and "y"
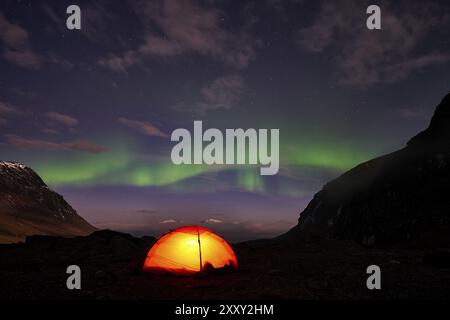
{"x": 200, "y": 250}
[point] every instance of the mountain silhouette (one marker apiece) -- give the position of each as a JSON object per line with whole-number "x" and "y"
{"x": 398, "y": 198}
{"x": 29, "y": 207}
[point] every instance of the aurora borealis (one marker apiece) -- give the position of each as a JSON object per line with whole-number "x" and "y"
{"x": 92, "y": 110}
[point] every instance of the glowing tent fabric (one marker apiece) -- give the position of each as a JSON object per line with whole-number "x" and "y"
{"x": 189, "y": 250}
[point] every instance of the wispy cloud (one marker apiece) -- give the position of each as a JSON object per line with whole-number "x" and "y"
{"x": 16, "y": 46}
{"x": 53, "y": 16}
{"x": 120, "y": 64}
{"x": 7, "y": 109}
{"x": 62, "y": 118}
{"x": 51, "y": 131}
{"x": 24, "y": 143}
{"x": 167, "y": 221}
{"x": 411, "y": 113}
{"x": 54, "y": 119}
{"x": 402, "y": 69}
{"x": 365, "y": 57}
{"x": 224, "y": 92}
{"x": 58, "y": 61}
{"x": 212, "y": 221}
{"x": 143, "y": 127}
{"x": 174, "y": 28}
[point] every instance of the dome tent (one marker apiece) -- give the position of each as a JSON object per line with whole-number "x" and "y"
{"x": 188, "y": 251}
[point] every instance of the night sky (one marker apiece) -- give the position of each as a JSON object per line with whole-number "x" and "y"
{"x": 92, "y": 110}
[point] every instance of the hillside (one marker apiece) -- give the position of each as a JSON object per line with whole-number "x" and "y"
{"x": 29, "y": 207}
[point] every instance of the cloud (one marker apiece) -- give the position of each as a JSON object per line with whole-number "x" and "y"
{"x": 143, "y": 127}
{"x": 365, "y": 57}
{"x": 16, "y": 47}
{"x": 53, "y": 16}
{"x": 23, "y": 58}
{"x": 224, "y": 92}
{"x": 174, "y": 28}
{"x": 24, "y": 143}
{"x": 59, "y": 61}
{"x": 212, "y": 221}
{"x": 402, "y": 69}
{"x": 411, "y": 113}
{"x": 62, "y": 119}
{"x": 51, "y": 131}
{"x": 282, "y": 8}
{"x": 168, "y": 221}
{"x": 99, "y": 18}
{"x": 7, "y": 109}
{"x": 120, "y": 64}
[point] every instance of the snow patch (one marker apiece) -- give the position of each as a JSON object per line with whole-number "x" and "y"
{"x": 12, "y": 165}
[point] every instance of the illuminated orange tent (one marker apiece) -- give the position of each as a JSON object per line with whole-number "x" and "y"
{"x": 189, "y": 251}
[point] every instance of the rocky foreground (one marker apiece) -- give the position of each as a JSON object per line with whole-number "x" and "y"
{"x": 313, "y": 268}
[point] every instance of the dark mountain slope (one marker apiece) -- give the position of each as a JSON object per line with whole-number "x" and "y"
{"x": 28, "y": 207}
{"x": 399, "y": 198}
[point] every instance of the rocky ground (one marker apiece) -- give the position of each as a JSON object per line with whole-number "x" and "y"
{"x": 303, "y": 269}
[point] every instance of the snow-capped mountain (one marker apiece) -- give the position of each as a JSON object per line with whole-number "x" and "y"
{"x": 28, "y": 207}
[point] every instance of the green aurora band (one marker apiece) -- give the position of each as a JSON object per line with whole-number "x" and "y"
{"x": 122, "y": 167}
